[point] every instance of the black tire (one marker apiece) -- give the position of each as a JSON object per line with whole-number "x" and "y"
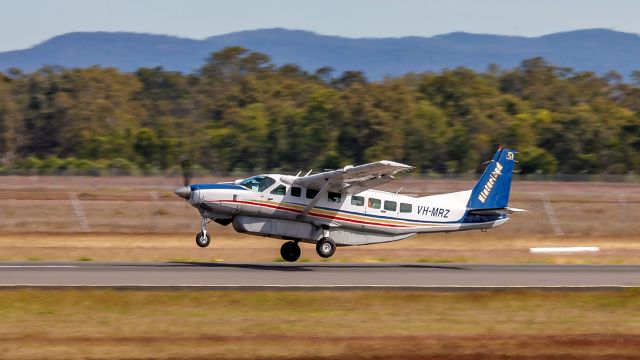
{"x": 326, "y": 247}
{"x": 202, "y": 241}
{"x": 290, "y": 251}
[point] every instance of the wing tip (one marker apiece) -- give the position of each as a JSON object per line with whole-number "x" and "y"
{"x": 396, "y": 164}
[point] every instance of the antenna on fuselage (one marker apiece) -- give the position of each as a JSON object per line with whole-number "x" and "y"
{"x": 307, "y": 174}
{"x": 298, "y": 174}
{"x": 399, "y": 190}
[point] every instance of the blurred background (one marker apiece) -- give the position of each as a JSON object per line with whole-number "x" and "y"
{"x": 107, "y": 106}
{"x": 99, "y": 125}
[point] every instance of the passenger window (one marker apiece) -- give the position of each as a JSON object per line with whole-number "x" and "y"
{"x": 374, "y": 203}
{"x": 357, "y": 200}
{"x": 279, "y": 190}
{"x": 296, "y": 191}
{"x": 334, "y": 197}
{"x": 390, "y": 205}
{"x": 405, "y": 208}
{"x": 311, "y": 193}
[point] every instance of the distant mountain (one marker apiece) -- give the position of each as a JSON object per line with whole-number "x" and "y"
{"x": 599, "y": 50}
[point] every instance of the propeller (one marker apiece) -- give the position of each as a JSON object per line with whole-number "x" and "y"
{"x": 187, "y": 173}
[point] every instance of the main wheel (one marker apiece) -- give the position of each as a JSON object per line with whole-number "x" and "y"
{"x": 290, "y": 251}
{"x": 326, "y": 247}
{"x": 203, "y": 241}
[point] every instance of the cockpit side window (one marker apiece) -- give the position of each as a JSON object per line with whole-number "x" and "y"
{"x": 258, "y": 183}
{"x": 357, "y": 200}
{"x": 279, "y": 190}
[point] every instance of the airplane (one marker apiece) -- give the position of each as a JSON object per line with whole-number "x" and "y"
{"x": 341, "y": 208}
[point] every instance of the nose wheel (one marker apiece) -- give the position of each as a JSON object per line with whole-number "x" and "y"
{"x": 290, "y": 251}
{"x": 203, "y": 239}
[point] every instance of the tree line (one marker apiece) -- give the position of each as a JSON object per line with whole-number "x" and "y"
{"x": 240, "y": 112}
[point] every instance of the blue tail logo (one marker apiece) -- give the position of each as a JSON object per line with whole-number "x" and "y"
{"x": 493, "y": 177}
{"x": 492, "y": 190}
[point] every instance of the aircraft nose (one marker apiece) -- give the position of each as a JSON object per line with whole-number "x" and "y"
{"x": 183, "y": 192}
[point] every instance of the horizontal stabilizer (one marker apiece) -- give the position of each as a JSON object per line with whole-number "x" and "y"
{"x": 503, "y": 211}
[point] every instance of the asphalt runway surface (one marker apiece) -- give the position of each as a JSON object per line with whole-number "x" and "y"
{"x": 316, "y": 275}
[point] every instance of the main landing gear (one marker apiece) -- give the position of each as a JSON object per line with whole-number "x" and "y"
{"x": 203, "y": 239}
{"x": 290, "y": 251}
{"x": 326, "y": 247}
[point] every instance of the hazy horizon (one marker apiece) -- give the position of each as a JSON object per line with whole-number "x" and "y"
{"x": 30, "y": 22}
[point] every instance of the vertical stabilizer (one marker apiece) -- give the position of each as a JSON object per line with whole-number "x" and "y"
{"x": 492, "y": 190}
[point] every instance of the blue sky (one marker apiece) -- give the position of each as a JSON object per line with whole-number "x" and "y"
{"x": 27, "y": 22}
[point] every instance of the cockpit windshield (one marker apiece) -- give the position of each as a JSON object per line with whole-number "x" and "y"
{"x": 258, "y": 183}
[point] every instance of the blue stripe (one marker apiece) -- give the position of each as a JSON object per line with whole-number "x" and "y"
{"x": 216, "y": 187}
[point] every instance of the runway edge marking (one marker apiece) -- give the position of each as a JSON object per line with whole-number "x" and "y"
{"x": 320, "y": 287}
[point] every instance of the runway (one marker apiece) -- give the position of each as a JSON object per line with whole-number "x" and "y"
{"x": 316, "y": 275}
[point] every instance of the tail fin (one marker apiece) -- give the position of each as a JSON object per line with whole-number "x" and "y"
{"x": 492, "y": 190}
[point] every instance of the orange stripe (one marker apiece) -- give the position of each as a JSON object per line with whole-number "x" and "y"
{"x": 279, "y": 207}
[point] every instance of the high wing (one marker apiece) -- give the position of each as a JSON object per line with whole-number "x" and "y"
{"x": 353, "y": 179}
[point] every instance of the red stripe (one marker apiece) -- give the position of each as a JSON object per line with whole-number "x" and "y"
{"x": 311, "y": 213}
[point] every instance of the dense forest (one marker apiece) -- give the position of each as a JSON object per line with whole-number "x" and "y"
{"x": 239, "y": 112}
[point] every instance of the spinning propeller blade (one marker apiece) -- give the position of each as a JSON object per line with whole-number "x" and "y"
{"x": 185, "y": 190}
{"x": 185, "y": 164}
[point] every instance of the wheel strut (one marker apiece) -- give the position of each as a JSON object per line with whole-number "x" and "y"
{"x": 203, "y": 225}
{"x": 203, "y": 239}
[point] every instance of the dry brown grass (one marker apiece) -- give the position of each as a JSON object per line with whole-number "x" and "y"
{"x": 108, "y": 324}
{"x": 140, "y": 205}
{"x": 474, "y": 247}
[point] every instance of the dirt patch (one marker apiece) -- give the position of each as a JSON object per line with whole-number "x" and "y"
{"x": 556, "y": 346}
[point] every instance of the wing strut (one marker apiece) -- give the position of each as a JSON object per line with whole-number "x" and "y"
{"x": 316, "y": 198}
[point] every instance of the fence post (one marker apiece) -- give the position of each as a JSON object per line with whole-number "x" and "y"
{"x": 156, "y": 205}
{"x": 622, "y": 211}
{"x": 551, "y": 215}
{"x": 80, "y": 215}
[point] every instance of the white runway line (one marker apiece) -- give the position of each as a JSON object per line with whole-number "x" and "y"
{"x": 564, "y": 249}
{"x": 36, "y": 266}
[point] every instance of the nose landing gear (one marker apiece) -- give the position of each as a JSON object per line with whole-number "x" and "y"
{"x": 203, "y": 239}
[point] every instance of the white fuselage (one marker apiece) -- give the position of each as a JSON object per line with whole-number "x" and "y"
{"x": 370, "y": 216}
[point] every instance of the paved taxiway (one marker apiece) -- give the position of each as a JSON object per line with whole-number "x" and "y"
{"x": 320, "y": 275}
